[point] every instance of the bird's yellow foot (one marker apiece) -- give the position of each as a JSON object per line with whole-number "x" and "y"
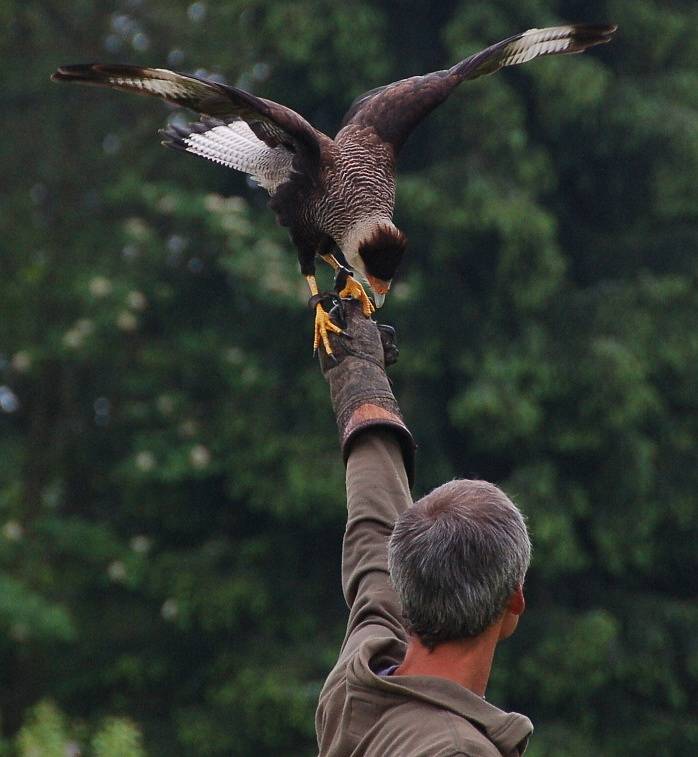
{"x": 323, "y": 325}
{"x": 352, "y": 288}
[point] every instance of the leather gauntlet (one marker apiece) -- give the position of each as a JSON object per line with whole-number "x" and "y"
{"x": 359, "y": 387}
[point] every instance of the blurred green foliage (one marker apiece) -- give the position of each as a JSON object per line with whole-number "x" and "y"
{"x": 46, "y": 733}
{"x": 171, "y": 507}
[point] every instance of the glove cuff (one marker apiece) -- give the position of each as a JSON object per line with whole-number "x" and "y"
{"x": 378, "y": 414}
{"x": 362, "y": 399}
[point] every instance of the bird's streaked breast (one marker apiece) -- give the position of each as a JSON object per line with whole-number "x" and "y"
{"x": 358, "y": 184}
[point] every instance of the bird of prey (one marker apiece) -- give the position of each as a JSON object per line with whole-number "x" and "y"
{"x": 336, "y": 196}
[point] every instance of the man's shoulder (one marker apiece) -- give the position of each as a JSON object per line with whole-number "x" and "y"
{"x": 416, "y": 727}
{"x": 364, "y": 712}
{"x": 375, "y": 723}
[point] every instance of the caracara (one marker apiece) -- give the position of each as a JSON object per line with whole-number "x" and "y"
{"x": 336, "y": 196}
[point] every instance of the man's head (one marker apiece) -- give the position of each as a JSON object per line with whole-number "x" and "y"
{"x": 458, "y": 559}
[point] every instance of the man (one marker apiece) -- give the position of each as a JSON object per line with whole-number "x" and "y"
{"x": 432, "y": 587}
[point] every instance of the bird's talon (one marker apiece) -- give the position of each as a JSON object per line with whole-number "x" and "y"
{"x": 353, "y": 290}
{"x": 323, "y": 327}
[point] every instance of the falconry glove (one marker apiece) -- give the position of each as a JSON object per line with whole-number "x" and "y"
{"x": 359, "y": 387}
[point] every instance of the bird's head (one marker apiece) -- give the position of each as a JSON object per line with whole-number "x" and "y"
{"x": 380, "y": 255}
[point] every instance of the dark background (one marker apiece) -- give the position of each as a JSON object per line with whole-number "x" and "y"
{"x": 171, "y": 493}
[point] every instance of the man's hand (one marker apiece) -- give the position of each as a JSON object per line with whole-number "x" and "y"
{"x": 360, "y": 390}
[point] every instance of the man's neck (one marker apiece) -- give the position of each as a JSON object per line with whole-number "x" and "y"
{"x": 468, "y": 662}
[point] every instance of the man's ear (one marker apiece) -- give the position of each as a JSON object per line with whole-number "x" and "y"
{"x": 517, "y": 603}
{"x": 514, "y": 608}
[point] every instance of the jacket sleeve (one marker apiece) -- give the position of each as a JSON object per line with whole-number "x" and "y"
{"x": 377, "y": 492}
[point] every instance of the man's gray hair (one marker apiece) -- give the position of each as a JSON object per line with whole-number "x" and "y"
{"x": 456, "y": 557}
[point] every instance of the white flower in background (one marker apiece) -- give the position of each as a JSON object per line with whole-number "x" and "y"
{"x": 19, "y": 631}
{"x": 136, "y": 300}
{"x": 38, "y": 193}
{"x": 130, "y": 252}
{"x": 127, "y": 321}
{"x": 235, "y": 356}
{"x": 52, "y": 494}
{"x": 188, "y": 428}
{"x": 75, "y": 336}
{"x": 249, "y": 374}
{"x": 102, "y": 407}
{"x": 13, "y": 530}
{"x": 176, "y": 244}
{"x": 145, "y": 461}
{"x": 100, "y": 286}
{"x": 140, "y": 42}
{"x": 73, "y": 339}
{"x": 175, "y": 58}
{"x": 140, "y": 544}
{"x": 136, "y": 228}
{"x": 200, "y": 456}
{"x": 402, "y": 291}
{"x": 213, "y": 203}
{"x": 235, "y": 203}
{"x": 197, "y": 12}
{"x": 9, "y": 402}
{"x": 167, "y": 203}
{"x": 117, "y": 571}
{"x": 169, "y": 609}
{"x": 21, "y": 361}
{"x": 165, "y": 404}
{"x": 111, "y": 144}
{"x": 84, "y": 326}
{"x": 261, "y": 71}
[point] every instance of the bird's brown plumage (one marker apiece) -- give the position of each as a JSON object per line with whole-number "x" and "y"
{"x": 334, "y": 195}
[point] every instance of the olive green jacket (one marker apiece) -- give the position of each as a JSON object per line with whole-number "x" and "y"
{"x": 361, "y": 713}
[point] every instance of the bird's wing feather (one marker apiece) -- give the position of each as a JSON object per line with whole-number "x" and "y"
{"x": 395, "y": 109}
{"x": 534, "y": 43}
{"x": 235, "y": 145}
{"x": 271, "y": 122}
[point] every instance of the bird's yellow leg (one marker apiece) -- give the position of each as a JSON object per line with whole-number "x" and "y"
{"x": 332, "y": 261}
{"x": 323, "y": 322}
{"x": 352, "y": 287}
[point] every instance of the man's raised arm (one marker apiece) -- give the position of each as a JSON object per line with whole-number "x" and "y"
{"x": 379, "y": 452}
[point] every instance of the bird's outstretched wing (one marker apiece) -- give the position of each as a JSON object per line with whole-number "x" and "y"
{"x": 274, "y": 124}
{"x": 395, "y": 109}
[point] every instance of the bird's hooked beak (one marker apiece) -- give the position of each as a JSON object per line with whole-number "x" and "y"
{"x": 380, "y": 289}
